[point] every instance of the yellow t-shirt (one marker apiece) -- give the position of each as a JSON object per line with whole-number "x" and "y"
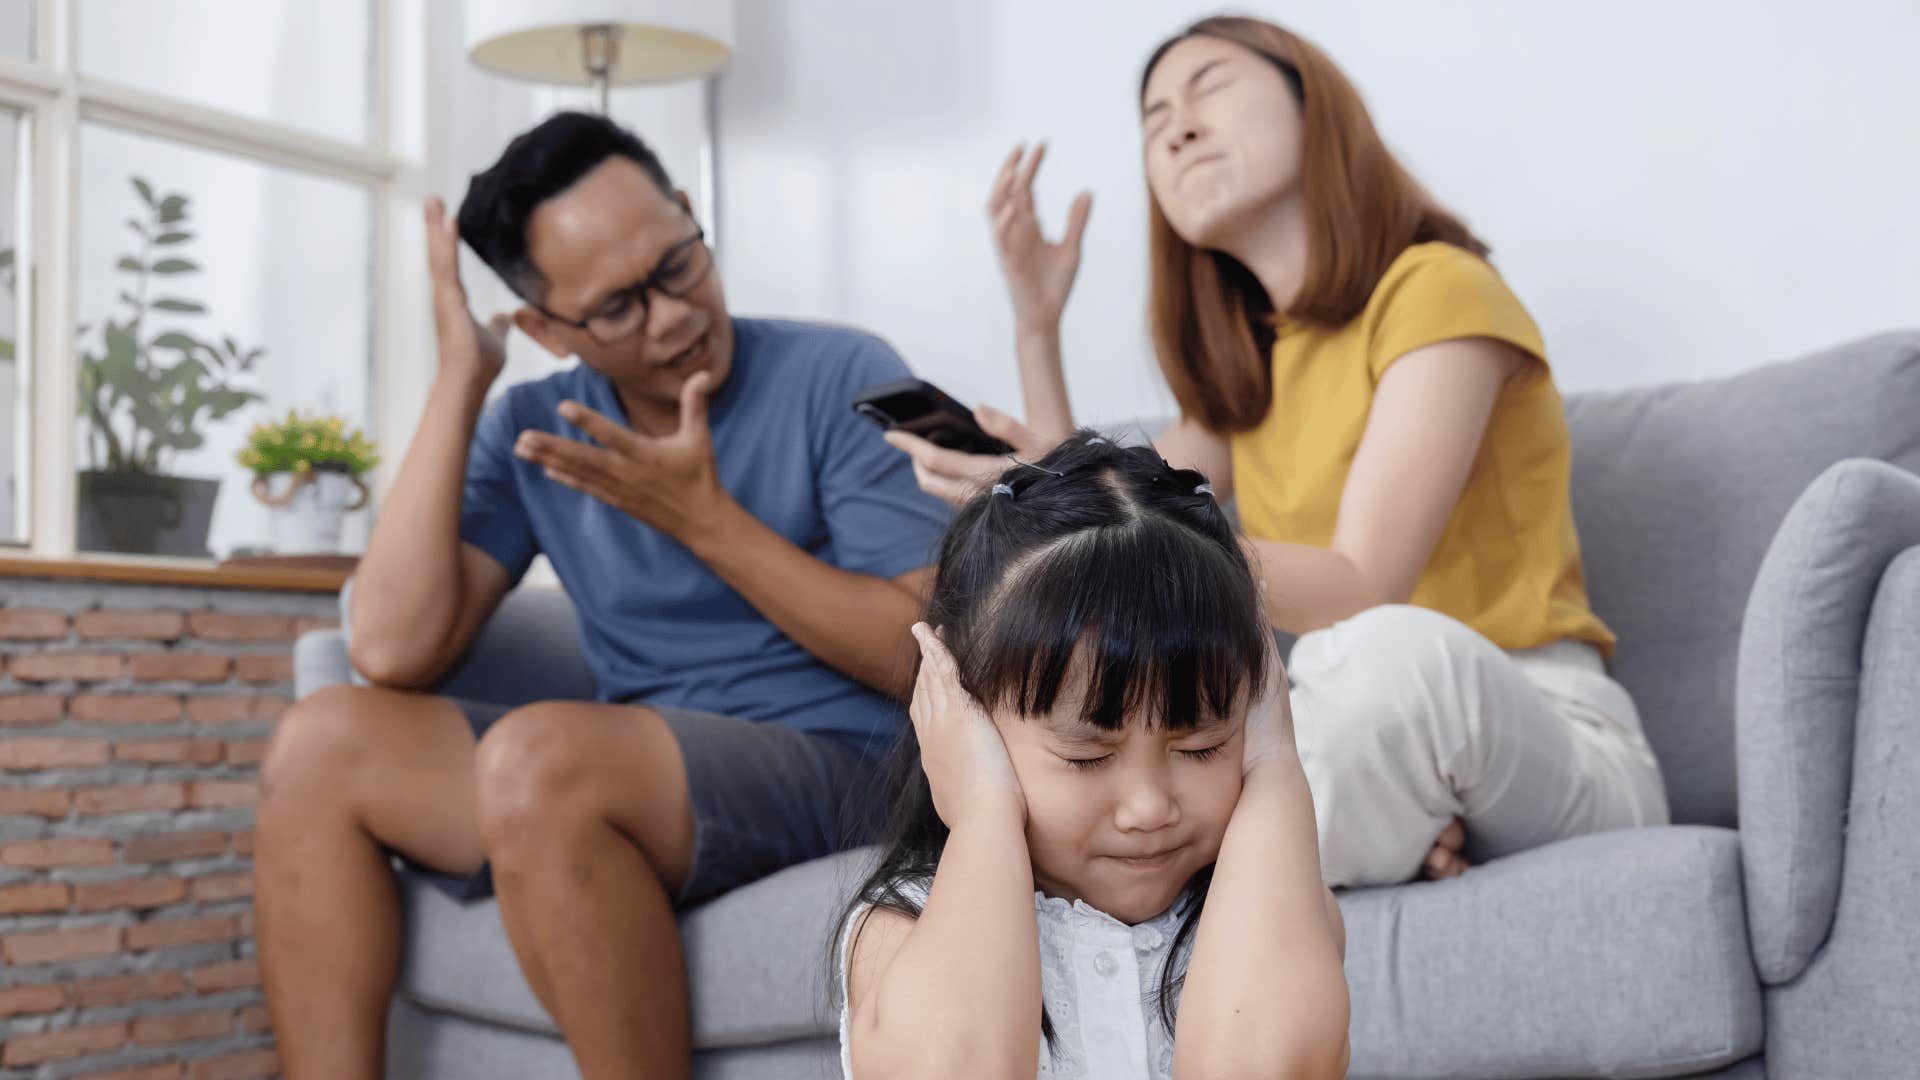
{"x": 1508, "y": 561}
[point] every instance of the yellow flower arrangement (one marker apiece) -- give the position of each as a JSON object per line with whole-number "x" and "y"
{"x": 298, "y": 444}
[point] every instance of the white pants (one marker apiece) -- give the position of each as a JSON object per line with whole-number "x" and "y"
{"x": 1407, "y": 718}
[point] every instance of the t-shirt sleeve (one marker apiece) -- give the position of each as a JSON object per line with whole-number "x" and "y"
{"x": 493, "y": 516}
{"x": 1446, "y": 296}
{"x": 880, "y": 522}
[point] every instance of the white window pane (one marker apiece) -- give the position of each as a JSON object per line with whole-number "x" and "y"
{"x": 290, "y": 61}
{"x": 14, "y": 466}
{"x": 16, "y": 29}
{"x": 214, "y": 248}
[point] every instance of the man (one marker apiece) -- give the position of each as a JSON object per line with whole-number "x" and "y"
{"x": 746, "y": 556}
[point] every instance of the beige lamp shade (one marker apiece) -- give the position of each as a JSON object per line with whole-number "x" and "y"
{"x": 658, "y": 40}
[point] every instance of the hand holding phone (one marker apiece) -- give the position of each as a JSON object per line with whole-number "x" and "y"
{"x": 921, "y": 408}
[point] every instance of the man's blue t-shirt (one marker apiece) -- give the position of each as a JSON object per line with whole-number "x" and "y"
{"x": 657, "y": 625}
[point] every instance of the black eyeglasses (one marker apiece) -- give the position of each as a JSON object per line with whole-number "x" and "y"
{"x": 622, "y": 314}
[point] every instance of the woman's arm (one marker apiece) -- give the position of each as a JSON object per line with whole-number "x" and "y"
{"x": 955, "y": 993}
{"x": 1266, "y": 994}
{"x": 1423, "y": 433}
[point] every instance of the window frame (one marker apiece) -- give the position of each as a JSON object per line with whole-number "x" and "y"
{"x": 54, "y": 101}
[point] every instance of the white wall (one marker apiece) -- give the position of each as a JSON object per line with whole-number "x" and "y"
{"x": 1676, "y": 190}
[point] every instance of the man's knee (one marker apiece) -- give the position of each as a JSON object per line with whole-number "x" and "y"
{"x": 321, "y": 741}
{"x": 538, "y": 771}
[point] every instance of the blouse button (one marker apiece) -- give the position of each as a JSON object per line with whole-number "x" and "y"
{"x": 1105, "y": 964}
{"x": 1146, "y": 938}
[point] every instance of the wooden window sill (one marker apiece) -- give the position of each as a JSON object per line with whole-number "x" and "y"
{"x": 286, "y": 573}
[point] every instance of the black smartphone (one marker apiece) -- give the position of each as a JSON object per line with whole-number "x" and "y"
{"x": 919, "y": 407}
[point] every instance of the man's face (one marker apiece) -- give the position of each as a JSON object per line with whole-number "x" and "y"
{"x": 597, "y": 239}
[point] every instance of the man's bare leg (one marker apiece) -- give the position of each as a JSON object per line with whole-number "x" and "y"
{"x": 351, "y": 769}
{"x": 584, "y": 813}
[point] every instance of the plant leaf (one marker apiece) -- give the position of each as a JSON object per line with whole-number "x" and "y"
{"x": 172, "y": 238}
{"x": 184, "y": 307}
{"x": 145, "y": 189}
{"x": 177, "y": 340}
{"x": 129, "y": 263}
{"x": 173, "y": 208}
{"x": 176, "y": 266}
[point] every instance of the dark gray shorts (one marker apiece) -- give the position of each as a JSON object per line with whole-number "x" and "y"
{"x": 764, "y": 795}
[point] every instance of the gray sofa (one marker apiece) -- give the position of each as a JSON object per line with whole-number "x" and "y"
{"x": 1761, "y": 565}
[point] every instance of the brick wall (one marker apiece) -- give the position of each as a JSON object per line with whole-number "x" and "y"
{"x": 132, "y": 723}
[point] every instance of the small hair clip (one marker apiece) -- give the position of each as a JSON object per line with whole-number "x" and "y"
{"x": 1003, "y": 489}
{"x": 1203, "y": 489}
{"x": 1097, "y": 441}
{"x": 1031, "y": 465}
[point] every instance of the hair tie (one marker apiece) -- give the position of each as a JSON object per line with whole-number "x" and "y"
{"x": 1203, "y": 489}
{"x": 1097, "y": 441}
{"x": 1003, "y": 489}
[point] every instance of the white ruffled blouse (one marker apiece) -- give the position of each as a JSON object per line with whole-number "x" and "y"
{"x": 1100, "y": 984}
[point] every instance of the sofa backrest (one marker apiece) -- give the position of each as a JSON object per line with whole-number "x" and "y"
{"x": 1677, "y": 491}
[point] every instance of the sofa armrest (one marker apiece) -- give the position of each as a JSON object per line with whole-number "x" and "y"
{"x": 319, "y": 661}
{"x": 1853, "y": 1003}
{"x": 1798, "y": 694}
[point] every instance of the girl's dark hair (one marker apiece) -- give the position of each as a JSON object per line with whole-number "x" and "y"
{"x": 1100, "y": 554}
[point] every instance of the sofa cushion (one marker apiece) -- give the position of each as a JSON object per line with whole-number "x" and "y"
{"x": 756, "y": 957}
{"x": 1615, "y": 954}
{"x": 1677, "y": 491}
{"x": 1800, "y": 670}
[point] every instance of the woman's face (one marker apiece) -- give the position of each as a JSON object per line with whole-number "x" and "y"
{"x": 1122, "y": 819}
{"x": 1220, "y": 132}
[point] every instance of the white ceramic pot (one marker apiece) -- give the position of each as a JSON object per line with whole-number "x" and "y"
{"x": 309, "y": 508}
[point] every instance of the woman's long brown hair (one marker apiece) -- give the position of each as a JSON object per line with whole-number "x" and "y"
{"x": 1211, "y": 321}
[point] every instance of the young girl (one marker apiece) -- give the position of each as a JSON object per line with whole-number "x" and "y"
{"x": 1102, "y": 861}
{"x": 1354, "y": 373}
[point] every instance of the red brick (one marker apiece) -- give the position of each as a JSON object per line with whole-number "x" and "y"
{"x": 25, "y": 754}
{"x": 246, "y": 924}
{"x": 133, "y": 893}
{"x": 31, "y": 708}
{"x": 309, "y": 626}
{"x": 21, "y": 1000}
{"x": 32, "y": 624}
{"x": 217, "y": 887}
{"x": 235, "y": 708}
{"x": 53, "y": 946}
{"x": 246, "y": 751}
{"x": 180, "y": 667}
{"x": 34, "y": 897}
{"x": 220, "y": 978}
{"x": 129, "y": 798}
{"x": 169, "y": 751}
{"x": 169, "y": 933}
{"x": 124, "y": 708}
{"x": 223, "y": 626}
{"x": 130, "y": 625}
{"x": 245, "y": 1065}
{"x": 67, "y": 1043}
{"x": 66, "y": 666}
{"x": 219, "y": 793}
{"x": 180, "y": 845}
{"x": 182, "y": 1027}
{"x": 166, "y": 1070}
{"x": 254, "y": 1018}
{"x": 263, "y": 668}
{"x": 122, "y": 989}
{"x": 58, "y": 851}
{"x": 33, "y": 802}
{"x": 243, "y": 842}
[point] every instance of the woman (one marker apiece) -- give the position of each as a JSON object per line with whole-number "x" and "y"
{"x": 1350, "y": 368}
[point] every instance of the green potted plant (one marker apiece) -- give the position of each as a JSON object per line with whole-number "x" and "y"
{"x": 146, "y": 393}
{"x": 309, "y": 471}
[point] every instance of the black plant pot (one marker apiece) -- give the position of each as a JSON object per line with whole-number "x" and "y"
{"x": 138, "y": 513}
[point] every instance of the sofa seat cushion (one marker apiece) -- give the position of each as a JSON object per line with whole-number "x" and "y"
{"x": 756, "y": 957}
{"x": 1616, "y": 954}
